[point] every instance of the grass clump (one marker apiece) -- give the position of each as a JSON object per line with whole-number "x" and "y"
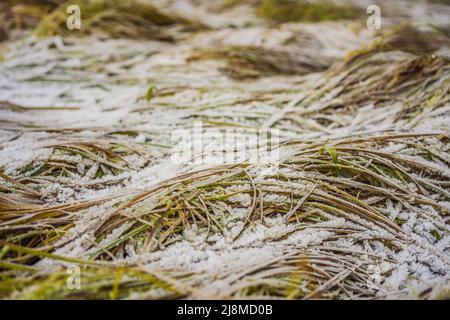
{"x": 295, "y": 10}
{"x": 321, "y": 181}
{"x": 246, "y": 62}
{"x": 96, "y": 282}
{"x": 404, "y": 38}
{"x": 402, "y": 69}
{"x": 19, "y": 15}
{"x": 116, "y": 19}
{"x": 92, "y": 164}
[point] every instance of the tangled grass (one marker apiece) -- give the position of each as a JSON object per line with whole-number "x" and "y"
{"x": 351, "y": 180}
{"x": 357, "y": 207}
{"x": 118, "y": 19}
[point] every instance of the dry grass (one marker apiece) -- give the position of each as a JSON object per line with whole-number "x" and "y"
{"x": 362, "y": 180}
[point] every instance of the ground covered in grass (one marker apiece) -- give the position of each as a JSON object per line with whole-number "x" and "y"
{"x": 357, "y": 207}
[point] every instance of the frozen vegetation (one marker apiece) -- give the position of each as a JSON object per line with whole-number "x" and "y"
{"x": 357, "y": 207}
